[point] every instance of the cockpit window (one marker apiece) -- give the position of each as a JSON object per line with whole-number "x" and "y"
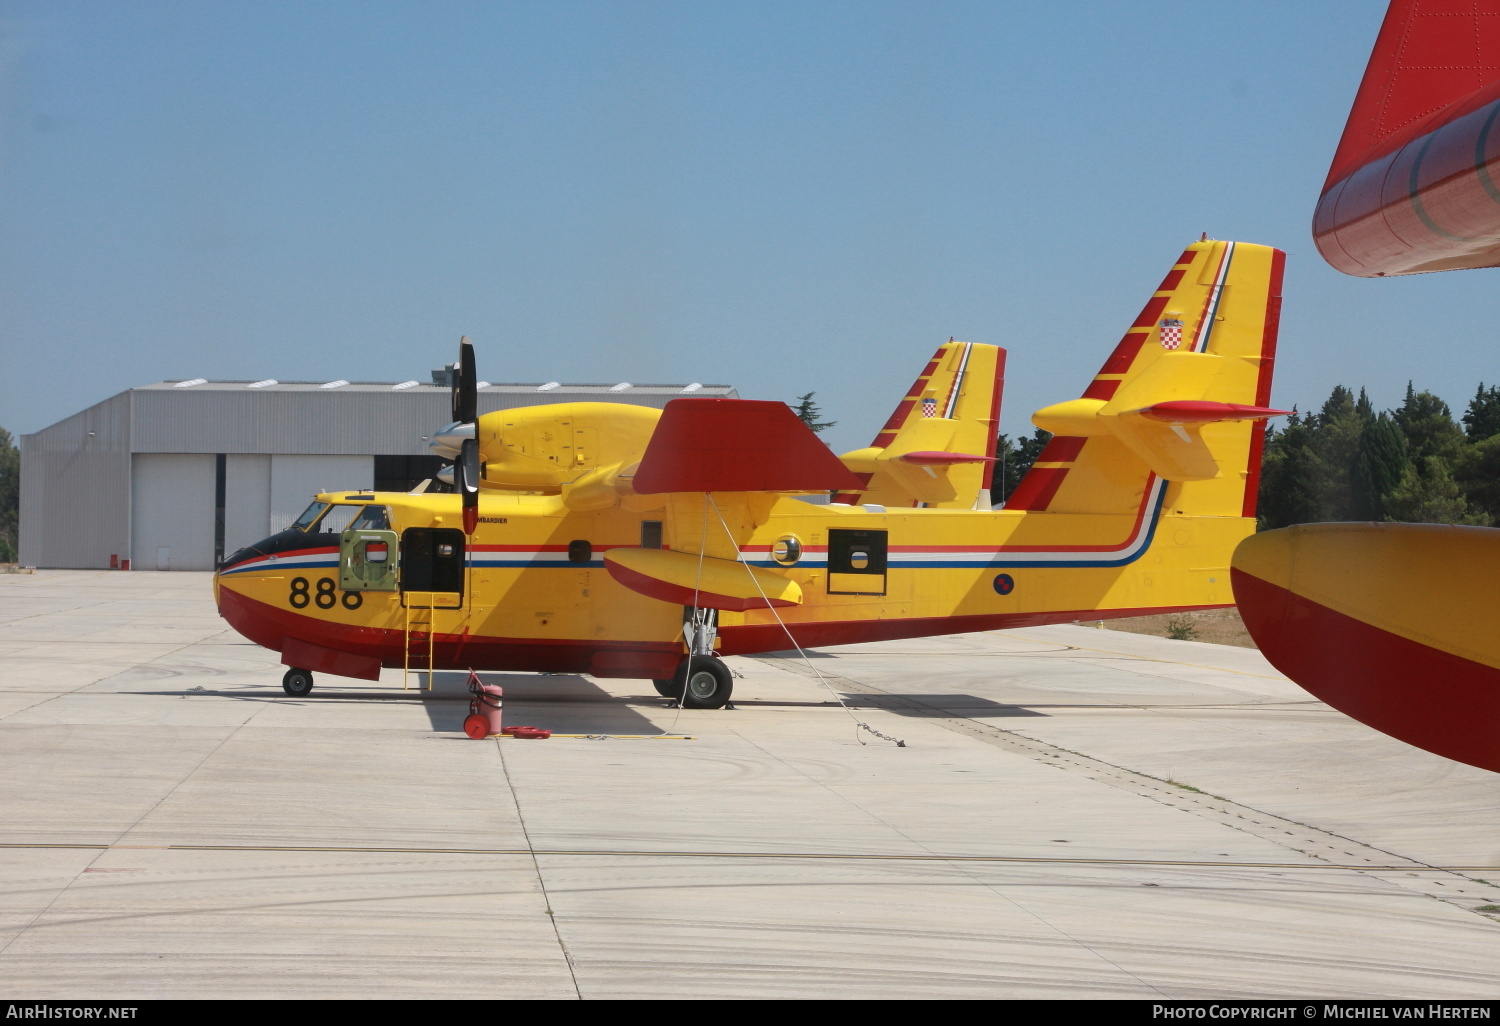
{"x": 308, "y": 516}
{"x": 337, "y": 519}
{"x": 374, "y": 518}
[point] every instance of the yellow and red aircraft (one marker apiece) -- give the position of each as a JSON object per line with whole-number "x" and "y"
{"x": 628, "y": 542}
{"x": 1394, "y": 624}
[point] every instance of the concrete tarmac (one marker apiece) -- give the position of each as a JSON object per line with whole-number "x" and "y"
{"x": 1076, "y": 813}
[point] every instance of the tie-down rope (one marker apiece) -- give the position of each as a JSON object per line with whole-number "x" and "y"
{"x": 858, "y": 723}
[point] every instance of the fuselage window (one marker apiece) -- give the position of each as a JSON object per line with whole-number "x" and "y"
{"x": 308, "y": 516}
{"x": 337, "y": 519}
{"x": 374, "y": 518}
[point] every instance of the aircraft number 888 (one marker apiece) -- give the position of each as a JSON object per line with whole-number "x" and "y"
{"x": 325, "y": 598}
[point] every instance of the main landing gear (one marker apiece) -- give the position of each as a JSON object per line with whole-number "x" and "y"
{"x": 701, "y": 682}
{"x": 297, "y": 683}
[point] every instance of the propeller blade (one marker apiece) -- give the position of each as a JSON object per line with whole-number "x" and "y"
{"x": 466, "y": 481}
{"x": 465, "y": 395}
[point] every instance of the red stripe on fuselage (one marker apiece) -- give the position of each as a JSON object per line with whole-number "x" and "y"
{"x": 750, "y": 639}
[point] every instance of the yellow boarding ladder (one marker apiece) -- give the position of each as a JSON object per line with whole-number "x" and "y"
{"x": 420, "y": 635}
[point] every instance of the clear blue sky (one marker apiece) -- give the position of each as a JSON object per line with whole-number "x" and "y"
{"x": 788, "y": 197}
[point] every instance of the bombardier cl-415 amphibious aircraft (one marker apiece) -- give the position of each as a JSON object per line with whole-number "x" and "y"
{"x": 628, "y": 542}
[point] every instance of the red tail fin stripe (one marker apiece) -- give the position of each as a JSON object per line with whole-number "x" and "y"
{"x": 1037, "y": 488}
{"x": 1172, "y": 280}
{"x": 995, "y": 393}
{"x": 1268, "y": 337}
{"x": 1102, "y": 388}
{"x": 1152, "y": 310}
{"x": 1124, "y": 355}
{"x": 1061, "y": 449}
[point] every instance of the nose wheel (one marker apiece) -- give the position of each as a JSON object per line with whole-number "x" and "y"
{"x": 701, "y": 682}
{"x": 297, "y": 682}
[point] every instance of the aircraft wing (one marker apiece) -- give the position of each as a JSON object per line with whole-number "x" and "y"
{"x": 687, "y": 579}
{"x": 736, "y": 445}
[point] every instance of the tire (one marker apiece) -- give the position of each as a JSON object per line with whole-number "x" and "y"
{"x": 667, "y": 688}
{"x": 477, "y": 726}
{"x": 709, "y": 687}
{"x": 297, "y": 683}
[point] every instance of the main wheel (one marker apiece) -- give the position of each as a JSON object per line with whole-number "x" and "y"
{"x": 477, "y": 726}
{"x": 709, "y": 683}
{"x": 667, "y": 688}
{"x": 297, "y": 682}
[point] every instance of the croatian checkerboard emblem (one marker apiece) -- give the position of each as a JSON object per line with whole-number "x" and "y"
{"x": 1171, "y": 333}
{"x": 929, "y": 407}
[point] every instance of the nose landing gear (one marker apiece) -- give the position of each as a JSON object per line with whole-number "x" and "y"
{"x": 297, "y": 683}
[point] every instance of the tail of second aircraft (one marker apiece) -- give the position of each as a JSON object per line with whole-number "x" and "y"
{"x": 935, "y": 450}
{"x": 1175, "y": 419}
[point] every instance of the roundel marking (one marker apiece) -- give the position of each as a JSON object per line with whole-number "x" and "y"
{"x": 1004, "y": 584}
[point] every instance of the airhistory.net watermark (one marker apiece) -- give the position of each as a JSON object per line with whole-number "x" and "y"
{"x": 50, "y": 1011}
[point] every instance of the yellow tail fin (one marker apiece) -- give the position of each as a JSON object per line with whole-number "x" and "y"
{"x": 1182, "y": 397}
{"x": 937, "y": 449}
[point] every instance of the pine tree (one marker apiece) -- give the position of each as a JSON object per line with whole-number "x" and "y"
{"x": 1335, "y": 437}
{"x": 1428, "y": 494}
{"x": 1290, "y": 476}
{"x": 1379, "y": 466}
{"x": 1013, "y": 460}
{"x": 1478, "y": 473}
{"x": 1482, "y": 419}
{"x": 807, "y": 411}
{"x": 1429, "y": 428}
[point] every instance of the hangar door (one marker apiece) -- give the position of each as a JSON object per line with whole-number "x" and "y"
{"x": 172, "y": 511}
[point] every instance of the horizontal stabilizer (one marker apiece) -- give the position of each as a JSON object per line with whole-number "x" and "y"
{"x": 1157, "y": 416}
{"x": 736, "y": 445}
{"x": 941, "y": 459}
{"x": 687, "y": 579}
{"x": 1204, "y": 411}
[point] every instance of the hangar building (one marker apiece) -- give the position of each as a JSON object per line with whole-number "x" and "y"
{"x": 175, "y": 475}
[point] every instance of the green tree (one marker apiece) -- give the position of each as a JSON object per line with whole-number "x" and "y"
{"x": 1428, "y": 494}
{"x": 1478, "y": 473}
{"x": 10, "y": 496}
{"x": 1290, "y": 476}
{"x": 1429, "y": 428}
{"x": 1013, "y": 460}
{"x": 1335, "y": 436}
{"x": 1379, "y": 467}
{"x": 1482, "y": 419}
{"x": 807, "y": 411}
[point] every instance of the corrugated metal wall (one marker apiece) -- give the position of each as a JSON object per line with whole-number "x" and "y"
{"x": 75, "y": 489}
